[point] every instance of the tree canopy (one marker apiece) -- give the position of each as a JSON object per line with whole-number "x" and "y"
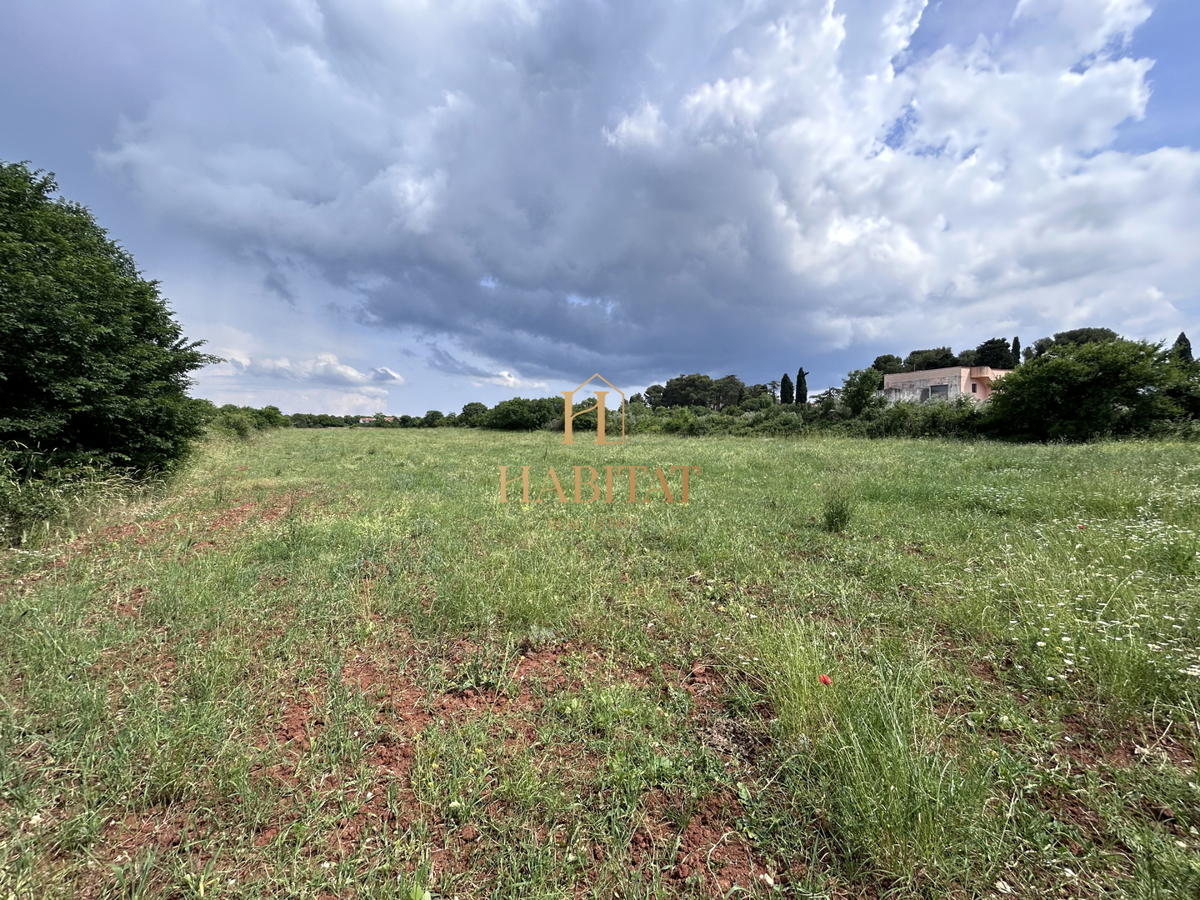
{"x": 996, "y": 353}
{"x": 697, "y": 390}
{"x": 519, "y": 414}
{"x": 93, "y": 367}
{"x": 1076, "y": 391}
{"x": 858, "y": 390}
{"x": 1182, "y": 349}
{"x": 888, "y": 364}
{"x": 473, "y": 413}
{"x": 1073, "y": 336}
{"x": 937, "y": 358}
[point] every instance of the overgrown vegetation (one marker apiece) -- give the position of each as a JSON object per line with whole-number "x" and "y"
{"x": 331, "y": 663}
{"x": 34, "y": 507}
{"x": 1078, "y": 385}
{"x": 93, "y": 367}
{"x": 242, "y": 421}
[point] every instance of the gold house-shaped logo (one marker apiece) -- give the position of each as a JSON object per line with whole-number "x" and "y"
{"x": 569, "y": 411}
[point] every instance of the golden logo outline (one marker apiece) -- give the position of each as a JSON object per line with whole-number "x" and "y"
{"x": 569, "y": 413}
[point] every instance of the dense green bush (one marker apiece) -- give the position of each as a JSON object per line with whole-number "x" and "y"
{"x": 93, "y": 366}
{"x": 775, "y": 419}
{"x": 935, "y": 418}
{"x": 1076, "y": 392}
{"x": 859, "y": 391}
{"x": 243, "y": 421}
{"x": 472, "y": 414}
{"x": 519, "y": 414}
{"x": 320, "y": 420}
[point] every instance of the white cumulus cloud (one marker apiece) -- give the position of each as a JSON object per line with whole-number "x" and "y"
{"x": 321, "y": 369}
{"x": 732, "y": 182}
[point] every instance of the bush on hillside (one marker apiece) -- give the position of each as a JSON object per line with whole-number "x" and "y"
{"x": 94, "y": 367}
{"x": 243, "y": 421}
{"x": 1076, "y": 392}
{"x": 519, "y": 414}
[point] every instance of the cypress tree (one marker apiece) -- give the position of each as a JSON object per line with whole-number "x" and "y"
{"x": 1182, "y": 350}
{"x": 1016, "y": 352}
{"x": 802, "y": 388}
{"x": 787, "y": 393}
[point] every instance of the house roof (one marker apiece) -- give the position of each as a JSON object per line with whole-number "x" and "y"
{"x": 975, "y": 373}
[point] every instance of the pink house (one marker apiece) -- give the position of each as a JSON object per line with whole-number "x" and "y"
{"x": 945, "y": 384}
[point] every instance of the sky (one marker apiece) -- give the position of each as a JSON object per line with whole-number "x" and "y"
{"x": 402, "y": 205}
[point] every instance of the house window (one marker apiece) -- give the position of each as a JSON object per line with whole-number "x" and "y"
{"x": 974, "y": 388}
{"x": 939, "y": 390}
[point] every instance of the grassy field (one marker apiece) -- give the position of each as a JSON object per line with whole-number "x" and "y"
{"x": 332, "y": 664}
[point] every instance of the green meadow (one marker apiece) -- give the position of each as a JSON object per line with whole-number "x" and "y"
{"x": 332, "y": 664}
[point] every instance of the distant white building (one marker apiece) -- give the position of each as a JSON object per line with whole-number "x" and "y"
{"x": 942, "y": 384}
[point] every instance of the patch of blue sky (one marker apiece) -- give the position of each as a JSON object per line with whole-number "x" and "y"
{"x": 901, "y": 128}
{"x": 1168, "y": 37}
{"x": 1172, "y": 117}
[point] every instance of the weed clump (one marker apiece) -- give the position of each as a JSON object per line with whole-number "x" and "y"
{"x": 837, "y": 506}
{"x": 33, "y": 507}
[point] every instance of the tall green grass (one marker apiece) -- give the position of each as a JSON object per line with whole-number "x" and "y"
{"x": 1011, "y": 698}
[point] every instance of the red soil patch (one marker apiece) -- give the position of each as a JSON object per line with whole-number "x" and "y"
{"x": 373, "y": 812}
{"x": 300, "y": 724}
{"x": 153, "y": 662}
{"x": 709, "y": 851}
{"x": 402, "y": 709}
{"x": 1089, "y": 745}
{"x": 159, "y": 829}
{"x": 536, "y": 674}
{"x": 208, "y": 534}
{"x": 141, "y": 533}
{"x": 125, "y": 842}
{"x": 547, "y": 668}
{"x": 1070, "y": 809}
{"x": 271, "y": 582}
{"x": 702, "y": 681}
{"x": 131, "y": 606}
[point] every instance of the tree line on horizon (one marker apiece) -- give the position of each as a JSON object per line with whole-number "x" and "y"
{"x": 1075, "y": 385}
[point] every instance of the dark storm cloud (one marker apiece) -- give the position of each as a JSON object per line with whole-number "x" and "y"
{"x": 442, "y": 361}
{"x": 643, "y": 189}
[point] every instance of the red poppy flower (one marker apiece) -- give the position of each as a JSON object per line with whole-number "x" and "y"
{"x": 825, "y": 679}
{"x": 1081, "y": 527}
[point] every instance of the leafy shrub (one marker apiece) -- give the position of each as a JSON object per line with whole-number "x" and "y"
{"x": 243, "y": 421}
{"x": 960, "y": 417}
{"x": 1175, "y": 429}
{"x": 776, "y": 421}
{"x": 519, "y": 414}
{"x": 94, "y": 366}
{"x": 1076, "y": 392}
